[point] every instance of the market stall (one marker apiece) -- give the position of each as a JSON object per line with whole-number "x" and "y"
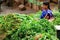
{"x": 22, "y": 26}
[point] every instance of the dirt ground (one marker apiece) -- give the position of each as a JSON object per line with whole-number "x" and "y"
{"x": 6, "y": 10}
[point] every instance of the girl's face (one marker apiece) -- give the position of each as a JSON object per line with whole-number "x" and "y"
{"x": 44, "y": 7}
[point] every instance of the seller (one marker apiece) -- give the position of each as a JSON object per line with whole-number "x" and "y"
{"x": 46, "y": 11}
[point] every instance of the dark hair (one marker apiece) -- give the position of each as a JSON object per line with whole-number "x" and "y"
{"x": 48, "y": 4}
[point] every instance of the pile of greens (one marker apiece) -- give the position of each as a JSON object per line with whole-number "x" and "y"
{"x": 56, "y": 18}
{"x": 25, "y": 27}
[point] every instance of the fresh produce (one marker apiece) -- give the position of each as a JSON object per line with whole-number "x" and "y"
{"x": 9, "y": 23}
{"x": 57, "y": 21}
{"x": 36, "y": 15}
{"x": 56, "y": 18}
{"x": 25, "y": 27}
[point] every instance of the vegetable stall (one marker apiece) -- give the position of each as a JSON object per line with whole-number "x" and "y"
{"x": 25, "y": 27}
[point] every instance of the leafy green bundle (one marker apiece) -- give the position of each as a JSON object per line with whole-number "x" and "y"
{"x": 25, "y": 27}
{"x": 57, "y": 18}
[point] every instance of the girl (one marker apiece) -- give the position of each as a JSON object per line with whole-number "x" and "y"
{"x": 46, "y": 11}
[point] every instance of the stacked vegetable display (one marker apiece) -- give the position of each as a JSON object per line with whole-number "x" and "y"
{"x": 26, "y": 27}
{"x": 57, "y": 18}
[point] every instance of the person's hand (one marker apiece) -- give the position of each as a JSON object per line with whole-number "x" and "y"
{"x": 50, "y": 20}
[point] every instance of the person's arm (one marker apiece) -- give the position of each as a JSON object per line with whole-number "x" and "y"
{"x": 50, "y": 12}
{"x": 43, "y": 14}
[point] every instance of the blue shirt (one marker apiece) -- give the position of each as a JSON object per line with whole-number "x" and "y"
{"x": 45, "y": 12}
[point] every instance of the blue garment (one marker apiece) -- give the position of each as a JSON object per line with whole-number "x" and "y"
{"x": 45, "y": 12}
